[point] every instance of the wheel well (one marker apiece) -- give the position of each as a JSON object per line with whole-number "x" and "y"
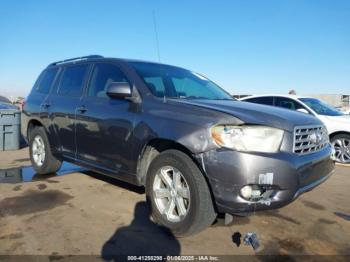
{"x": 152, "y": 149}
{"x": 32, "y": 123}
{"x": 338, "y": 133}
{"x": 155, "y": 147}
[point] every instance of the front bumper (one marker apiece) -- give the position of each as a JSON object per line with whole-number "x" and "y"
{"x": 289, "y": 174}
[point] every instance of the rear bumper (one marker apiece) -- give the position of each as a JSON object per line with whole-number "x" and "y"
{"x": 288, "y": 174}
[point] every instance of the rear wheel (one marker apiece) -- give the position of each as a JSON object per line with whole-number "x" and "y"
{"x": 341, "y": 144}
{"x": 40, "y": 152}
{"x": 178, "y": 194}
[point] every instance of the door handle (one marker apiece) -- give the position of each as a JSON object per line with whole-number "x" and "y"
{"x": 82, "y": 109}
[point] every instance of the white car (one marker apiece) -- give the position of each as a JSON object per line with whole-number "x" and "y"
{"x": 337, "y": 123}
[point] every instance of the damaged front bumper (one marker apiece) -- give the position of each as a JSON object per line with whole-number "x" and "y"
{"x": 283, "y": 176}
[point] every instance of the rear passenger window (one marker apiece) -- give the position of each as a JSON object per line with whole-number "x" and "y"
{"x": 72, "y": 80}
{"x": 102, "y": 76}
{"x": 45, "y": 82}
{"x": 266, "y": 100}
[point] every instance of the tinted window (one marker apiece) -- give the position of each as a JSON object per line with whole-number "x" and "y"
{"x": 72, "y": 80}
{"x": 287, "y": 103}
{"x": 177, "y": 82}
{"x": 266, "y": 100}
{"x": 46, "y": 80}
{"x": 102, "y": 76}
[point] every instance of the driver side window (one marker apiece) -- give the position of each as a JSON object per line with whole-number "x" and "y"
{"x": 102, "y": 76}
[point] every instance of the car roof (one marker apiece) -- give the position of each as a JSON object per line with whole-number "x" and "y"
{"x": 96, "y": 58}
{"x": 280, "y": 95}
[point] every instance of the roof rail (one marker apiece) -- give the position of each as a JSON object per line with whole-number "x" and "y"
{"x": 75, "y": 59}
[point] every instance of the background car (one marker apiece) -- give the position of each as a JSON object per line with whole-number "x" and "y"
{"x": 5, "y": 103}
{"x": 337, "y": 123}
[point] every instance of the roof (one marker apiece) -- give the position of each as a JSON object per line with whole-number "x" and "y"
{"x": 99, "y": 57}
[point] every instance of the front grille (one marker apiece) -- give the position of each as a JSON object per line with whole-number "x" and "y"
{"x": 309, "y": 139}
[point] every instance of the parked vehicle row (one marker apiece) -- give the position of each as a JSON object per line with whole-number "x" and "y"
{"x": 336, "y": 122}
{"x": 197, "y": 151}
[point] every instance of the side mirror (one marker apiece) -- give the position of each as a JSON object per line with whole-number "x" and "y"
{"x": 119, "y": 90}
{"x": 303, "y": 110}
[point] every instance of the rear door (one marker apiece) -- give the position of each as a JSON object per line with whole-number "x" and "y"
{"x": 104, "y": 124}
{"x": 63, "y": 104}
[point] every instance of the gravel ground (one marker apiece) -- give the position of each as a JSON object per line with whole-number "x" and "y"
{"x": 84, "y": 213}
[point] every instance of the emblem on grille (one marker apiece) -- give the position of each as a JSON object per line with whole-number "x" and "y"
{"x": 316, "y": 137}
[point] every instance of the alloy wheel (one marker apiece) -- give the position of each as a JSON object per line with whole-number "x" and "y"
{"x": 171, "y": 194}
{"x": 38, "y": 150}
{"x": 342, "y": 150}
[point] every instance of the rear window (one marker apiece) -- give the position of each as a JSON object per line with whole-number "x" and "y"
{"x": 46, "y": 80}
{"x": 72, "y": 80}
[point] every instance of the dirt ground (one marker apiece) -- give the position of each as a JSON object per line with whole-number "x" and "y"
{"x": 81, "y": 212}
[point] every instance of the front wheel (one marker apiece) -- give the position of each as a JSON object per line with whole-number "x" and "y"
{"x": 178, "y": 194}
{"x": 40, "y": 153}
{"x": 341, "y": 144}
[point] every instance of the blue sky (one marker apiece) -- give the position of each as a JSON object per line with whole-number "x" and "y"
{"x": 262, "y": 46}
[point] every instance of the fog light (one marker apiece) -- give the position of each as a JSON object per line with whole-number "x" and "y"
{"x": 251, "y": 192}
{"x": 246, "y": 192}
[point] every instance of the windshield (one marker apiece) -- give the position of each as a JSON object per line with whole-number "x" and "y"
{"x": 320, "y": 107}
{"x": 174, "y": 82}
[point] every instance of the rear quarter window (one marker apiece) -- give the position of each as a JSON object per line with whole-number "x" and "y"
{"x": 45, "y": 80}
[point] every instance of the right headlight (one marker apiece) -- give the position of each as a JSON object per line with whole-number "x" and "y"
{"x": 248, "y": 137}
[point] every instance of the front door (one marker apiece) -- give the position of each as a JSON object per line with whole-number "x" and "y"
{"x": 104, "y": 124}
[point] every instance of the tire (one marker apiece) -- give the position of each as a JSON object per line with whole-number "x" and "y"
{"x": 341, "y": 144}
{"x": 47, "y": 164}
{"x": 199, "y": 207}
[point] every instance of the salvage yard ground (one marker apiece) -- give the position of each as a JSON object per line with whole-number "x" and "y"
{"x": 86, "y": 213}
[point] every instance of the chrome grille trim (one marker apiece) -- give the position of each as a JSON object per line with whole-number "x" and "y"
{"x": 309, "y": 139}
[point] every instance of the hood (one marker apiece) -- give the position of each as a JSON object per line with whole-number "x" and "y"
{"x": 341, "y": 119}
{"x": 251, "y": 113}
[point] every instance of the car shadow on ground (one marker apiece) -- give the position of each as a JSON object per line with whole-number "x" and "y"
{"x": 114, "y": 181}
{"x": 142, "y": 237}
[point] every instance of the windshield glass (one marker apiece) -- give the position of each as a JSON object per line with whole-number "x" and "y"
{"x": 174, "y": 82}
{"x": 320, "y": 107}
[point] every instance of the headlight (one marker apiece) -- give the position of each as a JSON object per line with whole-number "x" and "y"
{"x": 248, "y": 138}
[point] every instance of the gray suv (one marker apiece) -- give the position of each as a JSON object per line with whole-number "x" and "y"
{"x": 197, "y": 151}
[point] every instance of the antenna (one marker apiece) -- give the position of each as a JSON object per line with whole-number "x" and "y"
{"x": 157, "y": 44}
{"x": 156, "y": 33}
